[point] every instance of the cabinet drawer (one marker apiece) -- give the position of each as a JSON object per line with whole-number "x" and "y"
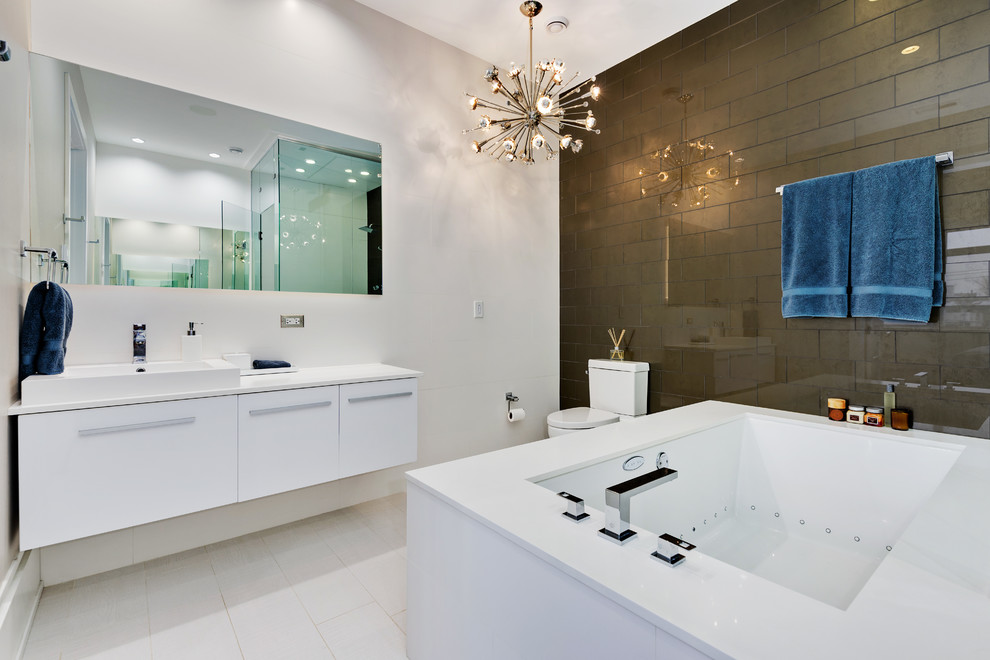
{"x": 377, "y": 425}
{"x": 286, "y": 440}
{"x": 86, "y": 472}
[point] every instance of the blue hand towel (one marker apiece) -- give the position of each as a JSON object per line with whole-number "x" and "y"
{"x": 814, "y": 247}
{"x": 45, "y": 330}
{"x": 896, "y": 260}
{"x": 271, "y": 364}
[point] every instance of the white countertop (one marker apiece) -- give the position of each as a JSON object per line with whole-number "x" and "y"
{"x": 929, "y": 598}
{"x": 304, "y": 377}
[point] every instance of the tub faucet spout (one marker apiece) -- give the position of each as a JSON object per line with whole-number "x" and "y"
{"x": 140, "y": 345}
{"x": 617, "y": 499}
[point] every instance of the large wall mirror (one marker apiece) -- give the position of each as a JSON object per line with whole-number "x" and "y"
{"x": 140, "y": 185}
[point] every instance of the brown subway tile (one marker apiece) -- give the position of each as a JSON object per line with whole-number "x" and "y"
{"x": 621, "y": 193}
{"x": 965, "y": 384}
{"x": 797, "y": 343}
{"x": 943, "y": 76}
{"x": 735, "y": 35}
{"x": 587, "y": 240}
{"x": 768, "y": 235}
{"x": 616, "y": 111}
{"x": 929, "y": 14}
{"x": 575, "y": 186}
{"x": 692, "y": 245}
{"x": 589, "y": 277}
{"x": 627, "y": 66}
{"x": 686, "y": 293}
{"x": 737, "y": 239}
{"x": 662, "y": 315}
{"x": 964, "y": 349}
{"x": 568, "y": 243}
{"x": 754, "y": 159}
{"x": 730, "y": 89}
{"x": 708, "y": 122}
{"x": 643, "y": 209}
{"x": 968, "y": 175}
{"x": 755, "y": 211}
{"x": 857, "y": 102}
{"x": 916, "y": 347}
{"x": 755, "y": 53}
{"x": 966, "y": 210}
{"x": 588, "y": 201}
{"x": 737, "y": 137}
{"x": 821, "y": 142}
{"x": 822, "y": 83}
{"x": 885, "y": 62}
{"x": 857, "y": 159}
{"x": 703, "y": 268}
{"x": 647, "y": 295}
{"x": 577, "y": 259}
{"x": 732, "y": 290}
{"x": 784, "y": 396}
{"x": 636, "y": 81}
{"x": 684, "y": 384}
{"x": 820, "y": 372}
{"x": 683, "y": 60}
{"x": 661, "y": 227}
{"x": 790, "y": 122}
{"x": 867, "y": 10}
{"x": 624, "y": 234}
{"x": 964, "y": 105}
{"x": 641, "y": 123}
{"x": 820, "y": 26}
{"x": 965, "y": 140}
{"x": 967, "y": 279}
{"x": 642, "y": 251}
{"x": 783, "y": 14}
{"x": 853, "y": 345}
{"x": 768, "y": 181}
{"x": 758, "y": 105}
{"x": 698, "y": 361}
{"x": 623, "y": 151}
{"x": 705, "y": 219}
{"x": 904, "y": 120}
{"x": 706, "y": 27}
{"x": 791, "y": 66}
{"x": 744, "y": 8}
{"x": 606, "y": 256}
{"x": 864, "y": 38}
{"x": 707, "y": 74}
{"x": 768, "y": 289}
{"x": 755, "y": 263}
{"x": 962, "y": 36}
{"x": 874, "y": 376}
{"x": 761, "y": 368}
{"x": 665, "y": 48}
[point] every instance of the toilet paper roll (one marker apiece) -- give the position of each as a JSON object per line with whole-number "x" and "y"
{"x": 516, "y": 414}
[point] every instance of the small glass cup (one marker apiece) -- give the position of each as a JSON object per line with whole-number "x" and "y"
{"x": 617, "y": 354}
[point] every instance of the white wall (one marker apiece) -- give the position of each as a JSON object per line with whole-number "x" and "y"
{"x": 14, "y": 214}
{"x": 143, "y": 185}
{"x": 459, "y": 228}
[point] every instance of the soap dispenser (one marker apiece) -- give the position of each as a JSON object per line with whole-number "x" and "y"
{"x": 192, "y": 344}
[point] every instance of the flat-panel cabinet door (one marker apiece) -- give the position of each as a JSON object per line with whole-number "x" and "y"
{"x": 85, "y": 472}
{"x": 377, "y": 425}
{"x": 286, "y": 440}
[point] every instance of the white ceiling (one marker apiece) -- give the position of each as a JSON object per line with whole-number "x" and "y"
{"x": 601, "y": 34}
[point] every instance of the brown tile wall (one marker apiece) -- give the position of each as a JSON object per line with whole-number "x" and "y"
{"x": 795, "y": 89}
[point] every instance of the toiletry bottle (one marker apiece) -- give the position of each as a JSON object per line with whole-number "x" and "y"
{"x": 888, "y": 404}
{"x": 192, "y": 344}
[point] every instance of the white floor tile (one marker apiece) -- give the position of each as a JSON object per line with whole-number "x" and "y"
{"x": 364, "y": 634}
{"x": 296, "y": 591}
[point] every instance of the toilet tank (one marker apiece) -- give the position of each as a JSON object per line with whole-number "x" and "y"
{"x": 618, "y": 386}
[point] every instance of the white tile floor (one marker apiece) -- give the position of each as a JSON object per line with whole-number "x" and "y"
{"x": 333, "y": 586}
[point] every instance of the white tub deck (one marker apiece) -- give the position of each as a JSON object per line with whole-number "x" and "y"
{"x": 929, "y": 596}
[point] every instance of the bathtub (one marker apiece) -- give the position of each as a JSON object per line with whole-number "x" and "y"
{"x": 814, "y": 539}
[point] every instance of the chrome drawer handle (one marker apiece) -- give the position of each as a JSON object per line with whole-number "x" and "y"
{"x": 373, "y": 397}
{"x": 140, "y": 426}
{"x": 297, "y": 406}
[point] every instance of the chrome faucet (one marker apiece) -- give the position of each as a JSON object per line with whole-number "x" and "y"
{"x": 617, "y": 500}
{"x": 140, "y": 345}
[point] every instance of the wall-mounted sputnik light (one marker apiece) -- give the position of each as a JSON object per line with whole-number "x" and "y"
{"x": 535, "y": 113}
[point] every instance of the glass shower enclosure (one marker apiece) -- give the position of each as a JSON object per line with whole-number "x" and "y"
{"x": 315, "y": 223}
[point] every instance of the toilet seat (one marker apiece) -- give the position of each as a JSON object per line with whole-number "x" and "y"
{"x": 581, "y": 418}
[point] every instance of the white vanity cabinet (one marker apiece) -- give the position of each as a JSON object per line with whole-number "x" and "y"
{"x": 377, "y": 425}
{"x": 84, "y": 472}
{"x": 286, "y": 440}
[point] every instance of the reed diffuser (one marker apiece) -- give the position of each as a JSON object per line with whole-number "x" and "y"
{"x": 616, "y": 353}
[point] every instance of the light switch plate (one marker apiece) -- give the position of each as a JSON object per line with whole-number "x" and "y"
{"x": 293, "y": 320}
{"x": 479, "y": 309}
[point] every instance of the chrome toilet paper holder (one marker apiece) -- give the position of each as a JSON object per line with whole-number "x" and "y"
{"x": 509, "y": 400}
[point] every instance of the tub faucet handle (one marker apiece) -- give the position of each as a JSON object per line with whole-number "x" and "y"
{"x": 575, "y": 507}
{"x": 670, "y": 549}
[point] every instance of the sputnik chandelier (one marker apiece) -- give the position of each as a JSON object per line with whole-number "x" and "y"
{"x": 535, "y": 113}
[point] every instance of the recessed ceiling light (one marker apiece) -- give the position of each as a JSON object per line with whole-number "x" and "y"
{"x": 300, "y": 170}
{"x": 557, "y": 24}
{"x": 365, "y": 173}
{"x": 348, "y": 171}
{"x": 352, "y": 181}
{"x": 310, "y": 161}
{"x": 214, "y": 155}
{"x": 910, "y": 49}
{"x": 137, "y": 140}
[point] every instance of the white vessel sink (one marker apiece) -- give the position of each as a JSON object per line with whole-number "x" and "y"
{"x": 109, "y": 381}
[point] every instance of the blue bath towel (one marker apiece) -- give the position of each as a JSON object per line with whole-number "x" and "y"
{"x": 896, "y": 260}
{"x": 814, "y": 247}
{"x": 270, "y": 364}
{"x": 45, "y": 330}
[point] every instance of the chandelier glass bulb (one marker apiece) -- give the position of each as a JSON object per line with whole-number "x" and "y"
{"x": 532, "y": 106}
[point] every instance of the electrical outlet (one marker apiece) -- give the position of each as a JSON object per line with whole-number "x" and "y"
{"x": 479, "y": 309}
{"x": 293, "y": 321}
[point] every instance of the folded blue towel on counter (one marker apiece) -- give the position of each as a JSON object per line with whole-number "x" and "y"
{"x": 814, "y": 247}
{"x": 896, "y": 259}
{"x": 270, "y": 364}
{"x": 45, "y": 330}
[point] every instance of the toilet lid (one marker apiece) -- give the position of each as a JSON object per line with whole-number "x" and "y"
{"x": 581, "y": 418}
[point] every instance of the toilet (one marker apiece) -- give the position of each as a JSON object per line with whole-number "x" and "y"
{"x": 618, "y": 392}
